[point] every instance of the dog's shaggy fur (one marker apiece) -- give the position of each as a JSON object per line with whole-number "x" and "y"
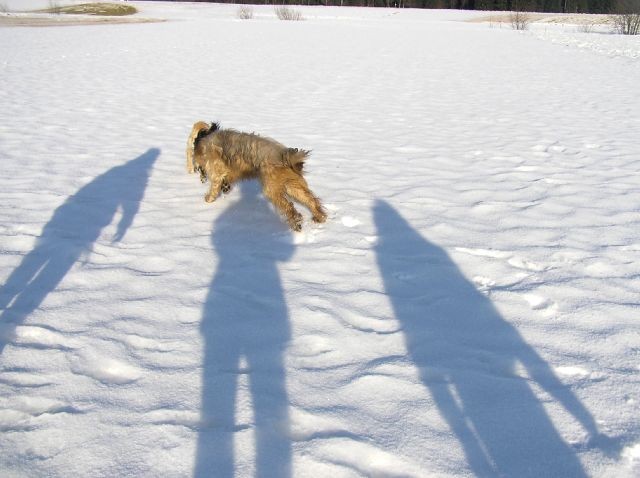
{"x": 225, "y": 156}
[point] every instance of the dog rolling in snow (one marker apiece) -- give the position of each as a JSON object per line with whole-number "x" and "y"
{"x": 225, "y": 156}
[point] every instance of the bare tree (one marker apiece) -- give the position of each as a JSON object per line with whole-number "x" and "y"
{"x": 285, "y": 13}
{"x": 626, "y": 18}
{"x": 519, "y": 17}
{"x": 54, "y": 7}
{"x": 245, "y": 12}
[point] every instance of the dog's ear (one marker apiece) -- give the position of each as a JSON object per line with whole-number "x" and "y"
{"x": 191, "y": 144}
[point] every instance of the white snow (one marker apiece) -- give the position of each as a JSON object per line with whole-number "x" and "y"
{"x": 469, "y": 309}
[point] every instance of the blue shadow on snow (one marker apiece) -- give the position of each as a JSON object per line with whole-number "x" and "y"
{"x": 467, "y": 355}
{"x": 245, "y": 327}
{"x": 72, "y": 230}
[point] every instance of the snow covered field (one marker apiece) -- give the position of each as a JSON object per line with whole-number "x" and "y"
{"x": 470, "y": 308}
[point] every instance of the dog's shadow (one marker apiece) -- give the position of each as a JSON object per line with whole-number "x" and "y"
{"x": 477, "y": 367}
{"x": 71, "y": 231}
{"x": 245, "y": 327}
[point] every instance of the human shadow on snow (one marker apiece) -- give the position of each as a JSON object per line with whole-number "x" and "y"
{"x": 471, "y": 360}
{"x": 71, "y": 231}
{"x": 245, "y": 328}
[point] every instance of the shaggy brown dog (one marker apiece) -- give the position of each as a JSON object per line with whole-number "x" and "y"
{"x": 225, "y": 156}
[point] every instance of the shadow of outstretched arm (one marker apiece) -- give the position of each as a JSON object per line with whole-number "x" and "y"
{"x": 541, "y": 373}
{"x": 132, "y": 197}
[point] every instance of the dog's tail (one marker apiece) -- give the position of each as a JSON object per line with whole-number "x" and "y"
{"x": 295, "y": 158}
{"x": 199, "y": 131}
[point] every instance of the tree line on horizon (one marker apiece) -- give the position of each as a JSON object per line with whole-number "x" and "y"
{"x": 551, "y": 6}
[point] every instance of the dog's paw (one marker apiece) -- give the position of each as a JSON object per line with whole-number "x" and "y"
{"x": 295, "y": 222}
{"x": 226, "y": 187}
{"x": 209, "y": 198}
{"x": 320, "y": 218}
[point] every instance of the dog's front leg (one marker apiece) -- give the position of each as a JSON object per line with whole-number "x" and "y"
{"x": 217, "y": 173}
{"x": 216, "y": 186}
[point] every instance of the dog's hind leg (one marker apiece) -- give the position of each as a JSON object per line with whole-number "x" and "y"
{"x": 282, "y": 204}
{"x": 299, "y": 190}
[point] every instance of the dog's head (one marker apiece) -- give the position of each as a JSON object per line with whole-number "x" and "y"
{"x": 198, "y": 131}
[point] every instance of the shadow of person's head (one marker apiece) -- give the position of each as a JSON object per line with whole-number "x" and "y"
{"x": 250, "y": 227}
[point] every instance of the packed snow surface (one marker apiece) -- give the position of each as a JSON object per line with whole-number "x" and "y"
{"x": 471, "y": 307}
